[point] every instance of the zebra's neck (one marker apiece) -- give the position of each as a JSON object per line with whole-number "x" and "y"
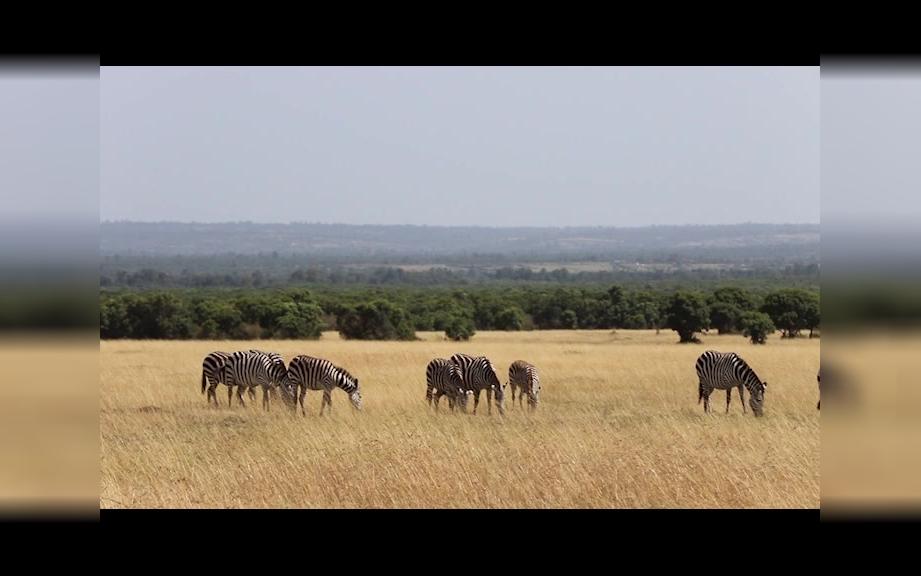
{"x": 750, "y": 379}
{"x": 344, "y": 382}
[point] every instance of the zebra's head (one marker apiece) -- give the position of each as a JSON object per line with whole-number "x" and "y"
{"x": 756, "y": 398}
{"x": 462, "y": 397}
{"x": 496, "y": 386}
{"x": 354, "y": 395}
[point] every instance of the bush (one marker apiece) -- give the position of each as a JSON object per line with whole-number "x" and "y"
{"x": 510, "y": 319}
{"x": 792, "y": 310}
{"x": 757, "y": 326}
{"x": 379, "y": 320}
{"x": 460, "y": 328}
{"x": 302, "y": 320}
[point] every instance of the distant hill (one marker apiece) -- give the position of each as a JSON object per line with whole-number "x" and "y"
{"x": 372, "y": 243}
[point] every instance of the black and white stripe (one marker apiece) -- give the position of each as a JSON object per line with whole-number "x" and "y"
{"x": 725, "y": 371}
{"x": 478, "y": 375}
{"x": 250, "y": 370}
{"x": 443, "y": 378}
{"x": 280, "y": 375}
{"x": 524, "y": 377}
{"x": 212, "y": 374}
{"x": 309, "y": 373}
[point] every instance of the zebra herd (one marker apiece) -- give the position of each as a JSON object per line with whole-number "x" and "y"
{"x": 459, "y": 378}
{"x": 251, "y": 369}
{"x": 464, "y": 376}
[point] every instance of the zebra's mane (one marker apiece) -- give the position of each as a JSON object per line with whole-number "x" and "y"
{"x": 747, "y": 371}
{"x": 344, "y": 372}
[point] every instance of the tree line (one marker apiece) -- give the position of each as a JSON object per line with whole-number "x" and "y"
{"x": 262, "y": 274}
{"x": 378, "y": 313}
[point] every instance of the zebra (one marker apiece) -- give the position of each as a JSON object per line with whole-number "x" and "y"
{"x": 279, "y": 368}
{"x": 251, "y": 369}
{"x": 524, "y": 376}
{"x": 443, "y": 378}
{"x": 478, "y": 375}
{"x": 725, "y": 371}
{"x": 309, "y": 373}
{"x": 211, "y": 375}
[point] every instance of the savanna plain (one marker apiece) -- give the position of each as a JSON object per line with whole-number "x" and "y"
{"x": 618, "y": 426}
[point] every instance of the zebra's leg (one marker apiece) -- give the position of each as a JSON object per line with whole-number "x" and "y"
{"x": 728, "y": 398}
{"x": 489, "y": 400}
{"x": 265, "y": 399}
{"x": 742, "y": 397}
{"x": 513, "y": 393}
{"x": 252, "y": 394}
{"x": 301, "y": 400}
{"x": 327, "y": 401}
{"x": 429, "y": 392}
{"x": 240, "y": 396}
{"x": 230, "y": 395}
{"x": 476, "y": 400}
{"x": 706, "y": 397}
{"x": 437, "y": 399}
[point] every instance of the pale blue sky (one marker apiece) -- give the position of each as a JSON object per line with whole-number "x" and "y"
{"x": 490, "y": 146}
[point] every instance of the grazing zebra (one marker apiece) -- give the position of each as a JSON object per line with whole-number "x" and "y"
{"x": 725, "y": 371}
{"x": 211, "y": 375}
{"x": 478, "y": 375}
{"x": 309, "y": 373}
{"x": 443, "y": 378}
{"x": 524, "y": 376}
{"x": 279, "y": 368}
{"x": 251, "y": 369}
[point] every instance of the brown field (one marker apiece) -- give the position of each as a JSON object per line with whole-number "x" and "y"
{"x": 618, "y": 427}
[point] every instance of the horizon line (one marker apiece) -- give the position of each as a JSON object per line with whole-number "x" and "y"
{"x": 300, "y": 223}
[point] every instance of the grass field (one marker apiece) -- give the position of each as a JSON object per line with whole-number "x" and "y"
{"x": 618, "y": 427}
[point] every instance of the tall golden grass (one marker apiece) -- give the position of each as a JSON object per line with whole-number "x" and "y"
{"x": 618, "y": 426}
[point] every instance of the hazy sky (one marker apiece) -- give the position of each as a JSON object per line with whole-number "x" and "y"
{"x": 487, "y": 146}
{"x": 871, "y": 137}
{"x": 49, "y": 142}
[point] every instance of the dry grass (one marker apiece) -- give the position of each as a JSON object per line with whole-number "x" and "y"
{"x": 618, "y": 426}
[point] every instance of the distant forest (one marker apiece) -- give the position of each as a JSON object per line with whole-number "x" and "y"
{"x": 251, "y": 281}
{"x": 145, "y": 256}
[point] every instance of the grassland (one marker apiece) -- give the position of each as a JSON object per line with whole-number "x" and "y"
{"x": 618, "y": 427}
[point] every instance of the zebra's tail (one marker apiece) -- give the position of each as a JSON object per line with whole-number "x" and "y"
{"x": 204, "y": 381}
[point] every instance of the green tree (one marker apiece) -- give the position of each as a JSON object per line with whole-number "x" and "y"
{"x": 511, "y": 318}
{"x": 686, "y": 314}
{"x": 791, "y": 310}
{"x": 727, "y": 305}
{"x": 757, "y": 326}
{"x": 813, "y": 316}
{"x": 114, "y": 320}
{"x": 160, "y": 316}
{"x": 301, "y": 320}
{"x": 377, "y": 320}
{"x": 569, "y": 319}
{"x": 460, "y": 328}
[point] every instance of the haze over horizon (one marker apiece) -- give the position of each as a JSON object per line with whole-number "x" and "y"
{"x": 496, "y": 147}
{"x": 498, "y": 226}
